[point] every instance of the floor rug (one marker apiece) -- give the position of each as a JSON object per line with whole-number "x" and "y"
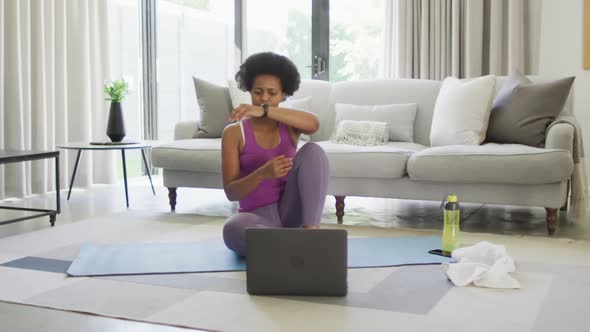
{"x": 553, "y": 273}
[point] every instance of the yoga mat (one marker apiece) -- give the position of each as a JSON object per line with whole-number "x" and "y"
{"x": 213, "y": 256}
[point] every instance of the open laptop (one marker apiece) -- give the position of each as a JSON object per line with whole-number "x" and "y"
{"x": 296, "y": 261}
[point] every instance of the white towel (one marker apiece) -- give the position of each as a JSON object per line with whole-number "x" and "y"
{"x": 483, "y": 264}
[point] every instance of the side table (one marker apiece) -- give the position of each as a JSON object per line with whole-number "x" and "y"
{"x": 82, "y": 146}
{"x": 13, "y": 156}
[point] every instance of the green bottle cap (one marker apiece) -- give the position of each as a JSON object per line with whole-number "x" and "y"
{"x": 452, "y": 198}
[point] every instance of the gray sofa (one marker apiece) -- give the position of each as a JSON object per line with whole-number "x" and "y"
{"x": 506, "y": 174}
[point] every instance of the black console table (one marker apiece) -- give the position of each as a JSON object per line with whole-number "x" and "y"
{"x": 13, "y": 156}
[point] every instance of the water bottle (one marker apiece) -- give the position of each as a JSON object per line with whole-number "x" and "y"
{"x": 452, "y": 216}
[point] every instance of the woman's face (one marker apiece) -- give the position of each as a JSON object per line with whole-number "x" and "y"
{"x": 267, "y": 90}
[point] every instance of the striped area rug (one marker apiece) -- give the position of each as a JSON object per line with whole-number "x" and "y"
{"x": 554, "y": 273}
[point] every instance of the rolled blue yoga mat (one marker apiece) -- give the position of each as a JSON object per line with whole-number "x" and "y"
{"x": 213, "y": 256}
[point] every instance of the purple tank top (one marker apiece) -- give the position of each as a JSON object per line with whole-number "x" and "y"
{"x": 253, "y": 157}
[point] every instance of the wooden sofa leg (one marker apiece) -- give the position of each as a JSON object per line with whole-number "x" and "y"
{"x": 172, "y": 198}
{"x": 340, "y": 207}
{"x": 551, "y": 220}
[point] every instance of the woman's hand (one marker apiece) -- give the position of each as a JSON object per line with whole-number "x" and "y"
{"x": 277, "y": 167}
{"x": 244, "y": 111}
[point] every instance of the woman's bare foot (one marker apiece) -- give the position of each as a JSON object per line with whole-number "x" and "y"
{"x": 311, "y": 226}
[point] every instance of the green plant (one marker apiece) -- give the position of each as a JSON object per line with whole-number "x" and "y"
{"x": 116, "y": 91}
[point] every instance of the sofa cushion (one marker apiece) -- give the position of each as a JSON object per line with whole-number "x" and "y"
{"x": 399, "y": 118}
{"x": 381, "y": 161}
{"x": 320, "y": 92}
{"x": 303, "y": 104}
{"x": 522, "y": 112}
{"x": 462, "y": 111}
{"x": 214, "y": 108}
{"x": 383, "y": 92}
{"x": 237, "y": 95}
{"x": 491, "y": 163}
{"x": 198, "y": 155}
{"x": 361, "y": 133}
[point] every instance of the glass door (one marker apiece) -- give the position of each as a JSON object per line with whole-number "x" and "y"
{"x": 327, "y": 40}
{"x": 357, "y": 35}
{"x": 283, "y": 27}
{"x": 194, "y": 38}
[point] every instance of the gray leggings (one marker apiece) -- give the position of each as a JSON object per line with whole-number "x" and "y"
{"x": 301, "y": 204}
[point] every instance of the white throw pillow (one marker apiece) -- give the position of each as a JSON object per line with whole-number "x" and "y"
{"x": 303, "y": 104}
{"x": 361, "y": 133}
{"x": 238, "y": 96}
{"x": 399, "y": 118}
{"x": 462, "y": 111}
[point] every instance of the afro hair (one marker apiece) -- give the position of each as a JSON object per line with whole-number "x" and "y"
{"x": 271, "y": 64}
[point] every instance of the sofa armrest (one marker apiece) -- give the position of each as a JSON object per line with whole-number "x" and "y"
{"x": 560, "y": 136}
{"x": 185, "y": 129}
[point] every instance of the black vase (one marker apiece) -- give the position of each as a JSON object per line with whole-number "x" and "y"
{"x": 116, "y": 126}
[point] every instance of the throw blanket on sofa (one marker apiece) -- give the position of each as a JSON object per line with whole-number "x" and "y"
{"x": 578, "y": 183}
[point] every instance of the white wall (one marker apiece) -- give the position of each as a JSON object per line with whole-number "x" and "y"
{"x": 561, "y": 54}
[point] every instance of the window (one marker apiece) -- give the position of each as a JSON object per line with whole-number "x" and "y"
{"x": 194, "y": 38}
{"x": 126, "y": 64}
{"x": 282, "y": 27}
{"x": 356, "y": 39}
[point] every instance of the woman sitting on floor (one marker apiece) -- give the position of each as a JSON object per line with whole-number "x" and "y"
{"x": 275, "y": 185}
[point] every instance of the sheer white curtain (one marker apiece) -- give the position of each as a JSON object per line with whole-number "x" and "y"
{"x": 54, "y": 58}
{"x": 390, "y": 45}
{"x": 433, "y": 39}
